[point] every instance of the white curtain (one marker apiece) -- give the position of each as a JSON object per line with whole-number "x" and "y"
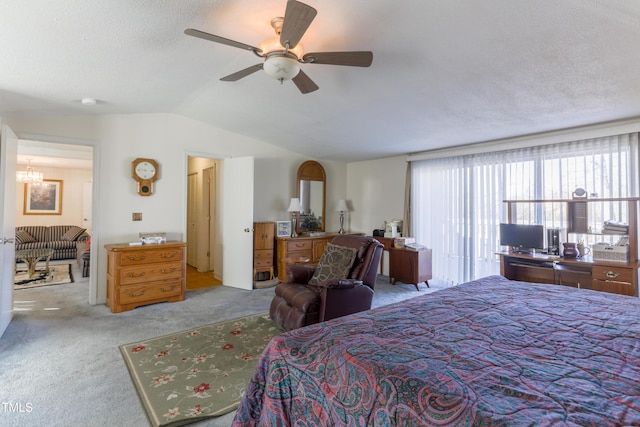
{"x": 457, "y": 202}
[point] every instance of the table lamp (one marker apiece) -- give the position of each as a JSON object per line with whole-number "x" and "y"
{"x": 342, "y": 208}
{"x": 294, "y": 207}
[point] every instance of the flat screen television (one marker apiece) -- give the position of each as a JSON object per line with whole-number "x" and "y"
{"x": 522, "y": 238}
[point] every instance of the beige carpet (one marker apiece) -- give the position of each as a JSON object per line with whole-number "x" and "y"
{"x": 57, "y": 275}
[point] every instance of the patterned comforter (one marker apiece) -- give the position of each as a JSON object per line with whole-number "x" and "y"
{"x": 492, "y": 352}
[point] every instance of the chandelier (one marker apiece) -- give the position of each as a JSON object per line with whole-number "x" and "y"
{"x": 29, "y": 174}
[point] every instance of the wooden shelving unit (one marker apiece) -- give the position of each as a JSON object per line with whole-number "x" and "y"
{"x": 584, "y": 272}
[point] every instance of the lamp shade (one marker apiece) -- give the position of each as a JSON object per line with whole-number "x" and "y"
{"x": 294, "y": 205}
{"x": 342, "y": 206}
{"x": 281, "y": 67}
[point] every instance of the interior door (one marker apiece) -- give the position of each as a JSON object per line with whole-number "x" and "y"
{"x": 237, "y": 217}
{"x": 8, "y": 164}
{"x": 87, "y": 202}
{"x": 209, "y": 197}
{"x": 192, "y": 220}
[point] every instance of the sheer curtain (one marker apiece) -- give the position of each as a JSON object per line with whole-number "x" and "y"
{"x": 457, "y": 202}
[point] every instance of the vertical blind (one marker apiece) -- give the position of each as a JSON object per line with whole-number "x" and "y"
{"x": 457, "y": 202}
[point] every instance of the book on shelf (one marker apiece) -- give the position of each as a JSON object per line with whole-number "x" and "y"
{"x": 615, "y": 227}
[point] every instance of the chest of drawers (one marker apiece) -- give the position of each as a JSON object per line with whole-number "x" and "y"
{"x": 301, "y": 250}
{"x": 141, "y": 275}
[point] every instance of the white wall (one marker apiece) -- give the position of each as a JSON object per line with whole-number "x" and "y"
{"x": 375, "y": 192}
{"x": 169, "y": 139}
{"x": 72, "y": 192}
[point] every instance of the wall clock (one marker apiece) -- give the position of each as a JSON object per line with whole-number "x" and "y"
{"x": 145, "y": 172}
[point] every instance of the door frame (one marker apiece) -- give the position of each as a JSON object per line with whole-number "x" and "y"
{"x": 95, "y": 201}
{"x": 220, "y": 182}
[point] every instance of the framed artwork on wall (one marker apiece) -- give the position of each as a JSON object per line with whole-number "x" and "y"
{"x": 43, "y": 198}
{"x": 283, "y": 228}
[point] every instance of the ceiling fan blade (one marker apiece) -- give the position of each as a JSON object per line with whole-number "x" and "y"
{"x": 242, "y": 73}
{"x": 304, "y": 83}
{"x": 218, "y": 39}
{"x": 353, "y": 59}
{"x": 297, "y": 18}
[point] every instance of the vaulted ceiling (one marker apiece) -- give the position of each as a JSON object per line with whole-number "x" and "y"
{"x": 444, "y": 73}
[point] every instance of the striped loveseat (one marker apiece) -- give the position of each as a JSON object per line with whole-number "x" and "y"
{"x": 61, "y": 238}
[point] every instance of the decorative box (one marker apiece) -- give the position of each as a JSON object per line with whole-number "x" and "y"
{"x": 400, "y": 242}
{"x": 606, "y": 252}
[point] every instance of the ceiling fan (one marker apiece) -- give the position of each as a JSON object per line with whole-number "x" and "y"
{"x": 283, "y": 56}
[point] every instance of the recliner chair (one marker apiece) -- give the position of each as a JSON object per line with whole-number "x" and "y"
{"x": 298, "y": 303}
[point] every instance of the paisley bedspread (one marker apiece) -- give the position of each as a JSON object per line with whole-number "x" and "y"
{"x": 491, "y": 352}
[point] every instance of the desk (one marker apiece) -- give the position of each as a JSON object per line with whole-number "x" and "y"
{"x": 387, "y": 245}
{"x": 583, "y": 273}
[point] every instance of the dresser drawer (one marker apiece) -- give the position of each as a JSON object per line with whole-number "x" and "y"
{"x": 614, "y": 274}
{"x": 151, "y": 256}
{"x": 297, "y": 246}
{"x": 621, "y": 288}
{"x": 262, "y": 263}
{"x": 150, "y": 272}
{"x": 263, "y": 255}
{"x": 150, "y": 291}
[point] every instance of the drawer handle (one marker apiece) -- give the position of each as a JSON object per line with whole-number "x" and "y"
{"x": 171, "y": 270}
{"x": 171, "y": 255}
{"x": 299, "y": 245}
{"x": 132, "y": 258}
{"x": 136, "y": 275}
{"x": 131, "y": 294}
{"x": 168, "y": 290}
{"x": 611, "y": 274}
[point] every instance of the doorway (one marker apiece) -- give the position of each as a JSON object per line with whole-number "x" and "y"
{"x": 72, "y": 164}
{"x": 202, "y": 222}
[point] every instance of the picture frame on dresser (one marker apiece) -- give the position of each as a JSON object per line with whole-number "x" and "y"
{"x": 283, "y": 228}
{"x": 43, "y": 198}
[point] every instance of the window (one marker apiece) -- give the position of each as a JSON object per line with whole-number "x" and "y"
{"x": 457, "y": 202}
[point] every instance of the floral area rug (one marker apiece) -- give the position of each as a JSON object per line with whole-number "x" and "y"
{"x": 198, "y": 373}
{"x": 57, "y": 275}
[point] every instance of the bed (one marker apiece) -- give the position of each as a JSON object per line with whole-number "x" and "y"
{"x": 489, "y": 352}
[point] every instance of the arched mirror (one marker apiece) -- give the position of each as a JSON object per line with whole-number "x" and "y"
{"x": 312, "y": 186}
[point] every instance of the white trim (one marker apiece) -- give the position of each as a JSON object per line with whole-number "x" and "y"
{"x": 546, "y": 138}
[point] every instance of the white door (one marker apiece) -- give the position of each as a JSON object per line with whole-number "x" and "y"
{"x": 209, "y": 204}
{"x": 87, "y": 201}
{"x": 237, "y": 217}
{"x": 192, "y": 220}
{"x": 8, "y": 164}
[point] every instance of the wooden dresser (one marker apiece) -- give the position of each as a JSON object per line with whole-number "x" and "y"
{"x": 263, "y": 248}
{"x": 147, "y": 274}
{"x": 301, "y": 250}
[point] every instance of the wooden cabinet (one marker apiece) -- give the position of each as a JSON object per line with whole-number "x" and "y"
{"x": 300, "y": 250}
{"x": 615, "y": 279}
{"x": 147, "y": 274}
{"x": 584, "y": 272}
{"x": 263, "y": 247}
{"x": 411, "y": 267}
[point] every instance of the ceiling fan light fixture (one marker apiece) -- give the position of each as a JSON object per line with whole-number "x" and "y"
{"x": 273, "y": 45}
{"x": 281, "y": 66}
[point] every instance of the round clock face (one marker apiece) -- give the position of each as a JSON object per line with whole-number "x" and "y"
{"x": 145, "y": 170}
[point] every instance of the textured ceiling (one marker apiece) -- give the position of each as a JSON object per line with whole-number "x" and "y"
{"x": 444, "y": 73}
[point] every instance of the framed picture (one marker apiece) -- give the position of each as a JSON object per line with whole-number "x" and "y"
{"x": 283, "y": 228}
{"x": 43, "y": 198}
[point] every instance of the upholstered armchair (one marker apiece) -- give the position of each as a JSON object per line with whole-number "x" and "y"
{"x": 341, "y": 284}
